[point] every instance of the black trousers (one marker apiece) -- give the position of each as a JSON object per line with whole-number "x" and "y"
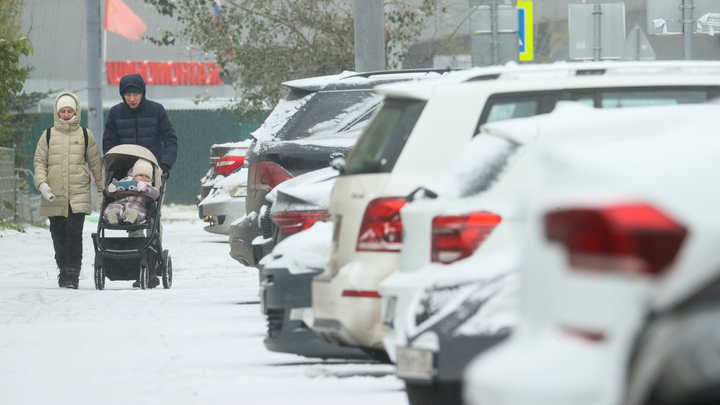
{"x": 67, "y": 240}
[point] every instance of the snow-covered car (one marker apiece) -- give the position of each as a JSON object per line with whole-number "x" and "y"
{"x": 620, "y": 256}
{"x": 446, "y": 304}
{"x": 224, "y": 187}
{"x": 298, "y": 213}
{"x": 320, "y": 119}
{"x": 420, "y": 128}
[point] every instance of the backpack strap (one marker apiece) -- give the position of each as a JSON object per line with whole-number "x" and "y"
{"x": 86, "y": 140}
{"x": 47, "y": 137}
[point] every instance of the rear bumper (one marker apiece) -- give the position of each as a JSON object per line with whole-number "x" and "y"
{"x": 281, "y": 292}
{"x": 219, "y": 215}
{"x": 241, "y": 236}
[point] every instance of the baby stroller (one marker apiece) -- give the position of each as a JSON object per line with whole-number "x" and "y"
{"x": 132, "y": 257}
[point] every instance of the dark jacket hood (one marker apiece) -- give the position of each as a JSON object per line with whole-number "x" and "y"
{"x": 133, "y": 80}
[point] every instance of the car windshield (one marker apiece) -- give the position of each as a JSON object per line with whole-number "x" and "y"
{"x": 384, "y": 138}
{"x": 328, "y": 113}
{"x": 476, "y": 168}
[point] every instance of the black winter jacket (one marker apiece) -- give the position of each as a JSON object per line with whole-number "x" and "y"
{"x": 146, "y": 125}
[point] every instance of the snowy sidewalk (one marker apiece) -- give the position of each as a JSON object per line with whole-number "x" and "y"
{"x": 199, "y": 342}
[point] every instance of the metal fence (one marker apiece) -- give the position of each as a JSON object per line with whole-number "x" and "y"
{"x": 16, "y": 204}
{"x": 27, "y": 205}
{"x": 7, "y": 184}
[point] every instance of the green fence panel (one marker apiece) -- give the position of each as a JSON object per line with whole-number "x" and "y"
{"x": 197, "y": 131}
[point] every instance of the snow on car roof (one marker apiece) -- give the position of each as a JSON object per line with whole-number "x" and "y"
{"x": 543, "y": 71}
{"x": 242, "y": 144}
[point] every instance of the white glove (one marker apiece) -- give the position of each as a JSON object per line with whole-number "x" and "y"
{"x": 45, "y": 190}
{"x": 141, "y": 186}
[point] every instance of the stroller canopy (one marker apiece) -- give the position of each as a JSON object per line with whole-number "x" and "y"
{"x": 129, "y": 153}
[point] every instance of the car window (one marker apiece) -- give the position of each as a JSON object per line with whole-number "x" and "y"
{"x": 512, "y": 109}
{"x": 384, "y": 138}
{"x": 642, "y": 96}
{"x": 336, "y": 109}
{"x": 619, "y": 99}
{"x": 506, "y": 106}
{"x": 500, "y": 107}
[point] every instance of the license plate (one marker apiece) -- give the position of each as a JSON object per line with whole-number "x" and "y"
{"x": 414, "y": 363}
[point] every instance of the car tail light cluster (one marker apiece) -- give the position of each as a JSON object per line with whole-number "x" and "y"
{"x": 457, "y": 237}
{"x": 264, "y": 176}
{"x": 228, "y": 164}
{"x": 381, "y": 229}
{"x": 293, "y": 222}
{"x": 361, "y": 294}
{"x": 635, "y": 238}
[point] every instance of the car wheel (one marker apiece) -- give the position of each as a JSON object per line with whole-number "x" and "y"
{"x": 690, "y": 373}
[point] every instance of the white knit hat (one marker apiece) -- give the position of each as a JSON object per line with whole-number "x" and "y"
{"x": 66, "y": 101}
{"x": 143, "y": 166}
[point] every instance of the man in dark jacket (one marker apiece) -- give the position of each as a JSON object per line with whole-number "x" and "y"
{"x": 140, "y": 121}
{"x": 143, "y": 122}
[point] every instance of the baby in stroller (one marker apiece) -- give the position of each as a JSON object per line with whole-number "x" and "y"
{"x": 131, "y": 208}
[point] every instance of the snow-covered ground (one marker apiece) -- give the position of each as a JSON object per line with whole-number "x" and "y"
{"x": 199, "y": 342}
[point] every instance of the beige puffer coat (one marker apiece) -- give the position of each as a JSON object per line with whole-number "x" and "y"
{"x": 64, "y": 165}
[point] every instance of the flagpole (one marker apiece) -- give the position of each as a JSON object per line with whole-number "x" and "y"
{"x": 104, "y": 48}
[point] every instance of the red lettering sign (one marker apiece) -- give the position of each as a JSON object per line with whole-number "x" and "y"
{"x": 166, "y": 73}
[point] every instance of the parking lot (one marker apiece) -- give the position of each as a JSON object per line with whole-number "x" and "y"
{"x": 199, "y": 342}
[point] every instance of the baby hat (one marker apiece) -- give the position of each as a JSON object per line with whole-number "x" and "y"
{"x": 143, "y": 166}
{"x": 66, "y": 101}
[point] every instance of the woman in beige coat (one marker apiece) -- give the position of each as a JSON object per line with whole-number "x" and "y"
{"x": 63, "y": 177}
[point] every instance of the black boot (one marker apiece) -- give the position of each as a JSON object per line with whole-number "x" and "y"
{"x": 62, "y": 278}
{"x": 73, "y": 278}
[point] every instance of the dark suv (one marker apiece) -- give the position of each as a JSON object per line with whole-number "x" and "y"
{"x": 319, "y": 120}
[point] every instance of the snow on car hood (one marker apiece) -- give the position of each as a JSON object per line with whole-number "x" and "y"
{"x": 303, "y": 252}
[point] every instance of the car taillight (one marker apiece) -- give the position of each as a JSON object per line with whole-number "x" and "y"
{"x": 264, "y": 176}
{"x": 635, "y": 238}
{"x": 361, "y": 294}
{"x": 456, "y": 237}
{"x": 294, "y": 222}
{"x": 381, "y": 229}
{"x": 227, "y": 164}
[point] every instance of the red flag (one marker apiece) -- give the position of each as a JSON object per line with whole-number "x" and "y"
{"x": 122, "y": 21}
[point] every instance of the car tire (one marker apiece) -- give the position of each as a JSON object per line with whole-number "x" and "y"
{"x": 690, "y": 373}
{"x": 445, "y": 392}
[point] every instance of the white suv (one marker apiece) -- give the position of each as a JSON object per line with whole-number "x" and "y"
{"x": 620, "y": 244}
{"x": 420, "y": 128}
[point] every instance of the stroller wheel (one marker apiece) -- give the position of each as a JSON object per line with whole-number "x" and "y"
{"x": 167, "y": 270}
{"x": 143, "y": 277}
{"x": 99, "y": 278}
{"x": 99, "y": 275}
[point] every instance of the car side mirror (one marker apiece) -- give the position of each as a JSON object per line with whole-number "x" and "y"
{"x": 338, "y": 164}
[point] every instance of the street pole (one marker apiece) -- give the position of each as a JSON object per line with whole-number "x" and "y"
{"x": 597, "y": 14}
{"x": 688, "y": 26}
{"x": 494, "y": 28}
{"x": 94, "y": 68}
{"x": 369, "y": 35}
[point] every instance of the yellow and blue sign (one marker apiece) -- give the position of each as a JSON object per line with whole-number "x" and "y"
{"x": 525, "y": 29}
